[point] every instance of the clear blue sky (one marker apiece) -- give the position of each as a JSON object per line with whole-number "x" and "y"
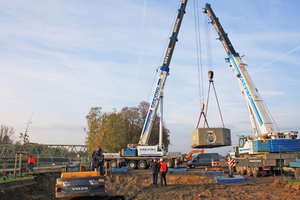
{"x": 60, "y": 58}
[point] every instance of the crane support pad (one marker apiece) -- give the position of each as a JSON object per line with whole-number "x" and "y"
{"x": 226, "y": 179}
{"x": 180, "y": 169}
{"x": 213, "y": 172}
{"x": 119, "y": 169}
{"x": 211, "y": 137}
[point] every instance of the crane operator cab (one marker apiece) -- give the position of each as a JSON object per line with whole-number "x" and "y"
{"x": 242, "y": 142}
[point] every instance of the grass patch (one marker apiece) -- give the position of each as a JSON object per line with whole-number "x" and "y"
{"x": 10, "y": 177}
{"x": 294, "y": 181}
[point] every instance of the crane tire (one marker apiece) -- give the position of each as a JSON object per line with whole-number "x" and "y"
{"x": 249, "y": 171}
{"x": 132, "y": 164}
{"x": 238, "y": 170}
{"x": 243, "y": 171}
{"x": 113, "y": 164}
{"x": 255, "y": 171}
{"x": 169, "y": 163}
{"x": 297, "y": 174}
{"x": 142, "y": 164}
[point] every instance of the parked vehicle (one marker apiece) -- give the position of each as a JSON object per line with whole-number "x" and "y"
{"x": 203, "y": 159}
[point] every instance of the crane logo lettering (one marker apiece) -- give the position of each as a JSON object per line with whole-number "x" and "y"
{"x": 247, "y": 90}
{"x": 146, "y": 149}
{"x": 167, "y": 55}
{"x": 176, "y": 25}
{"x": 155, "y": 97}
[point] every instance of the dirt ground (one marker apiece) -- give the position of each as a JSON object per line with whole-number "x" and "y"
{"x": 196, "y": 185}
{"x": 193, "y": 184}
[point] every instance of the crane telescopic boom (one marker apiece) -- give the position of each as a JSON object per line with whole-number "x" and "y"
{"x": 259, "y": 117}
{"x": 259, "y": 154}
{"x": 163, "y": 73}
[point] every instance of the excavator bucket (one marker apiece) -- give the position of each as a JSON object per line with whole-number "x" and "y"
{"x": 211, "y": 137}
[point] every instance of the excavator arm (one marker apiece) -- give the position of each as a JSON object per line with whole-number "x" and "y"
{"x": 188, "y": 157}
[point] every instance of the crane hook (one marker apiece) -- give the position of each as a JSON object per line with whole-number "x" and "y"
{"x": 210, "y": 76}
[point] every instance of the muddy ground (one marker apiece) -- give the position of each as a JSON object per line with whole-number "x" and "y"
{"x": 192, "y": 184}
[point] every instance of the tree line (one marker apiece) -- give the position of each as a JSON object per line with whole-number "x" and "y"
{"x": 7, "y": 136}
{"x": 112, "y": 131}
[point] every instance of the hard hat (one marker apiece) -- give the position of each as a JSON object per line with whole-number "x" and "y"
{"x": 161, "y": 159}
{"x": 154, "y": 158}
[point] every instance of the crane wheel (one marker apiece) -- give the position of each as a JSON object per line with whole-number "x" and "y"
{"x": 113, "y": 164}
{"x": 255, "y": 171}
{"x": 238, "y": 170}
{"x": 249, "y": 171}
{"x": 132, "y": 164}
{"x": 142, "y": 164}
{"x": 243, "y": 171}
{"x": 169, "y": 163}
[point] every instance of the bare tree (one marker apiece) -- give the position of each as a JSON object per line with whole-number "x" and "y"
{"x": 24, "y": 136}
{"x": 7, "y": 134}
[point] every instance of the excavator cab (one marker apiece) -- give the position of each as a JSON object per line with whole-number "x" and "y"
{"x": 74, "y": 168}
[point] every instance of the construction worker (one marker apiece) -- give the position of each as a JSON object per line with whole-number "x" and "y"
{"x": 155, "y": 168}
{"x": 163, "y": 172}
{"x": 31, "y": 162}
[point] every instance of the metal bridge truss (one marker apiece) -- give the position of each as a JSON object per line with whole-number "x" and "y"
{"x": 45, "y": 150}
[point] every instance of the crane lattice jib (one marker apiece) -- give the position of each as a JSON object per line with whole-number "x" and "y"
{"x": 163, "y": 73}
{"x": 256, "y": 107}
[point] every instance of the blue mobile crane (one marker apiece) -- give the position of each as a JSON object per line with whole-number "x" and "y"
{"x": 260, "y": 153}
{"x": 140, "y": 155}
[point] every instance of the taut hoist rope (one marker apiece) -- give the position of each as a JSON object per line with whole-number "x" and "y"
{"x": 209, "y": 66}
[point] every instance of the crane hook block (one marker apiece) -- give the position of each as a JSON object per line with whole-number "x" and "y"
{"x": 202, "y": 106}
{"x": 210, "y": 74}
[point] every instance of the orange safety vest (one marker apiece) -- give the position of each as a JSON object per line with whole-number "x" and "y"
{"x": 163, "y": 167}
{"x": 31, "y": 160}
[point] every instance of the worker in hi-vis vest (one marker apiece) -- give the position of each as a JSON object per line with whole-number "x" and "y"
{"x": 31, "y": 162}
{"x": 163, "y": 171}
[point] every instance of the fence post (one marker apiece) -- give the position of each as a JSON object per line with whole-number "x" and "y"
{"x": 280, "y": 162}
{"x": 38, "y": 160}
{"x": 20, "y": 165}
{"x": 15, "y": 170}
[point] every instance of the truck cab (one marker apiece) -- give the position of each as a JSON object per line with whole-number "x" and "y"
{"x": 203, "y": 159}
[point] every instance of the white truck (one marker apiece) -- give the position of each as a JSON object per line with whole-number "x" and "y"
{"x": 268, "y": 149}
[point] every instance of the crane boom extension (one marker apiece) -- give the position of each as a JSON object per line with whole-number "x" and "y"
{"x": 256, "y": 108}
{"x": 163, "y": 73}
